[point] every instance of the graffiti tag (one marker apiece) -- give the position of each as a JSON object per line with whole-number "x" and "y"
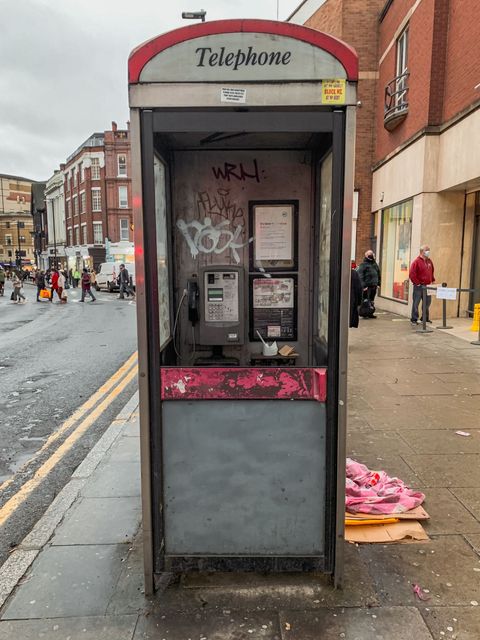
{"x": 219, "y": 204}
{"x": 205, "y": 237}
{"x": 236, "y": 171}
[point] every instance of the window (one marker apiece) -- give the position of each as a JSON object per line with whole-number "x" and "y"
{"x": 81, "y": 171}
{"x": 8, "y": 239}
{"x": 7, "y": 225}
{"x": 97, "y": 233}
{"x": 22, "y": 239}
{"x": 75, "y": 205}
{"x": 84, "y": 233}
{"x": 123, "y": 197}
{"x": 95, "y": 173}
{"x": 401, "y": 70}
{"x": 67, "y": 206}
{"x": 83, "y": 203}
{"x": 96, "y": 200}
{"x": 124, "y": 228}
{"x": 70, "y": 236}
{"x": 395, "y": 259}
{"x": 9, "y": 254}
{"x": 74, "y": 177}
{"x": 77, "y": 234}
{"x": 122, "y": 165}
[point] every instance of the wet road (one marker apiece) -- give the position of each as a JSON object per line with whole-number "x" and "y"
{"x": 53, "y": 358}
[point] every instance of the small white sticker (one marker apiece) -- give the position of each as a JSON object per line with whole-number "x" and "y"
{"x": 238, "y": 96}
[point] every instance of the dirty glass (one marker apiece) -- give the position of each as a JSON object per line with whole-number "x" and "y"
{"x": 162, "y": 257}
{"x": 324, "y": 246}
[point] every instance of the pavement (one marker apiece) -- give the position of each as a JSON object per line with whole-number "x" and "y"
{"x": 78, "y": 574}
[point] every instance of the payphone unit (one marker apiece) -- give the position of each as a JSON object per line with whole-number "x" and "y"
{"x": 221, "y": 320}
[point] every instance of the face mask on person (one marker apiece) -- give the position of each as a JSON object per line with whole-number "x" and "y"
{"x": 371, "y": 257}
{"x": 427, "y": 253}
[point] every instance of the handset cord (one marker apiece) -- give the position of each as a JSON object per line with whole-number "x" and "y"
{"x": 176, "y": 322}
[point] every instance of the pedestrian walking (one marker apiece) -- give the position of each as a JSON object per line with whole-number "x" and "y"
{"x": 370, "y": 277}
{"x": 54, "y": 285}
{"x": 17, "y": 290}
{"x": 356, "y": 296}
{"x": 2, "y": 281}
{"x": 93, "y": 278}
{"x": 76, "y": 278}
{"x": 124, "y": 283}
{"x": 86, "y": 286}
{"x": 61, "y": 285}
{"x": 421, "y": 274}
{"x": 40, "y": 282}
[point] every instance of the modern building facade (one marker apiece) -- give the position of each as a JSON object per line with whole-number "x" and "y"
{"x": 16, "y": 223}
{"x": 97, "y": 189}
{"x": 418, "y": 136}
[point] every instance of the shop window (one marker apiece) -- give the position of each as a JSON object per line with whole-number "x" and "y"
{"x": 97, "y": 233}
{"x": 395, "y": 257}
{"x": 124, "y": 224}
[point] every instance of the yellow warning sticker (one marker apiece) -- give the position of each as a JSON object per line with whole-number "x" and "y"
{"x": 333, "y": 92}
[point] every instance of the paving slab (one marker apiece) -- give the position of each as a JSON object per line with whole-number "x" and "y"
{"x": 126, "y": 449}
{"x": 470, "y": 498}
{"x": 129, "y": 596}
{"x": 68, "y": 581}
{"x": 272, "y": 591}
{"x": 473, "y": 540}
{"x": 365, "y": 442}
{"x": 388, "y": 623}
{"x": 223, "y": 625}
{"x": 442, "y": 470}
{"x": 100, "y": 521}
{"x": 87, "y": 628}
{"x": 114, "y": 479}
{"x": 398, "y": 417}
{"x": 445, "y": 566}
{"x": 453, "y": 623}
{"x": 442, "y": 441}
{"x": 447, "y": 514}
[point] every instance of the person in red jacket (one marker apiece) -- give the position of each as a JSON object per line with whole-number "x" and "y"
{"x": 54, "y": 285}
{"x": 421, "y": 273}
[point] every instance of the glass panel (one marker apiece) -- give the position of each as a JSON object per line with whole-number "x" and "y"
{"x": 324, "y": 245}
{"x": 396, "y": 240}
{"x": 162, "y": 258}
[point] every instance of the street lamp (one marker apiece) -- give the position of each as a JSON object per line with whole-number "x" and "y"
{"x": 194, "y": 15}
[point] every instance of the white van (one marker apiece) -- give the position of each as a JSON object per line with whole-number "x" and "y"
{"x": 108, "y": 273}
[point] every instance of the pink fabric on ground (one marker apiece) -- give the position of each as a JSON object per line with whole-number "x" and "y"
{"x": 375, "y": 492}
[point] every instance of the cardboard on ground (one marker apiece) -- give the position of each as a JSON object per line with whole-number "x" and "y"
{"x": 405, "y": 531}
{"x": 418, "y": 513}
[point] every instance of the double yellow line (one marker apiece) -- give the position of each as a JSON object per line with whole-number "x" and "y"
{"x": 108, "y": 391}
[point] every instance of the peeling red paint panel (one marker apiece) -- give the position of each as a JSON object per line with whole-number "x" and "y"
{"x": 255, "y": 383}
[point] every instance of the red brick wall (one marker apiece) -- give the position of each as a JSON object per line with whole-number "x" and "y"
{"x": 462, "y": 71}
{"x": 419, "y": 64}
{"x": 356, "y": 22}
{"x": 328, "y": 18}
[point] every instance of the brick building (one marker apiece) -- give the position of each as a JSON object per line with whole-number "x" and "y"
{"x": 418, "y": 135}
{"x": 16, "y": 222}
{"x": 351, "y": 20}
{"x": 97, "y": 190}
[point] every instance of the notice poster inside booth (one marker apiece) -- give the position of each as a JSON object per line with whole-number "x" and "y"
{"x": 274, "y": 308}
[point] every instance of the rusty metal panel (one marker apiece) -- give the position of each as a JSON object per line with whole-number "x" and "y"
{"x": 244, "y": 478}
{"x": 260, "y": 383}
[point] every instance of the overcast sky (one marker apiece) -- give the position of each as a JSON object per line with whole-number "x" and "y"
{"x": 63, "y": 72}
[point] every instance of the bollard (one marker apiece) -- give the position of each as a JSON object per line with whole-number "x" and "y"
{"x": 477, "y": 341}
{"x": 424, "y": 312}
{"x": 476, "y": 318}
{"x": 444, "y": 312}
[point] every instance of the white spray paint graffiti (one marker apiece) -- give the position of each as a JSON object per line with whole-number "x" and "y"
{"x": 205, "y": 237}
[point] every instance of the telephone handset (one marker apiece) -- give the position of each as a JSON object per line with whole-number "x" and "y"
{"x": 193, "y": 301}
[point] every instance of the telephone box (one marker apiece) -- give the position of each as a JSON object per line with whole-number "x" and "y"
{"x": 242, "y": 153}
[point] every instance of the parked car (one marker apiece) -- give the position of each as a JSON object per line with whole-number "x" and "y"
{"x": 108, "y": 273}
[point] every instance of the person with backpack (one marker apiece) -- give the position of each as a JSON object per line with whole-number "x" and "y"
{"x": 370, "y": 277}
{"x": 86, "y": 286}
